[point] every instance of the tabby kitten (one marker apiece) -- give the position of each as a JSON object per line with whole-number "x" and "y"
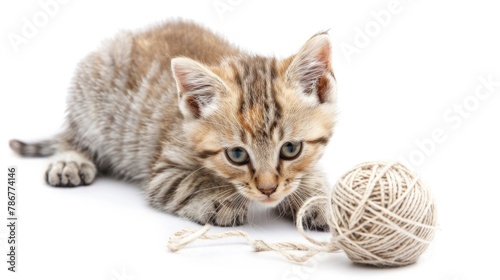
{"x": 204, "y": 127}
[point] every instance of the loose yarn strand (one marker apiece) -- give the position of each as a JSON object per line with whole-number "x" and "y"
{"x": 183, "y": 238}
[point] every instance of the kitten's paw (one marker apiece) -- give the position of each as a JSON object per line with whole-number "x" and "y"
{"x": 226, "y": 214}
{"x": 216, "y": 212}
{"x": 315, "y": 219}
{"x": 70, "y": 173}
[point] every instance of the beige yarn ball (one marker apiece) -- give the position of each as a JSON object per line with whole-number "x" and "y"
{"x": 382, "y": 214}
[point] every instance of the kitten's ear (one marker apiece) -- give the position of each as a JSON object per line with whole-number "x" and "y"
{"x": 197, "y": 86}
{"x": 311, "y": 69}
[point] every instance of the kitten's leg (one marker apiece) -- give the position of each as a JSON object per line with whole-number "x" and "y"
{"x": 197, "y": 195}
{"x": 311, "y": 184}
{"x": 70, "y": 168}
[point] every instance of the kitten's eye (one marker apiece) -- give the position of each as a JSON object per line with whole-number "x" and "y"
{"x": 237, "y": 155}
{"x": 290, "y": 150}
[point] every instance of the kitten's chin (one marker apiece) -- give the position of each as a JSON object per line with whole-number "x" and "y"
{"x": 270, "y": 201}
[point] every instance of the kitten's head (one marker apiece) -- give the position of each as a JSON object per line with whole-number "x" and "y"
{"x": 259, "y": 122}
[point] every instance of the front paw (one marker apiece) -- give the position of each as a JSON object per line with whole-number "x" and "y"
{"x": 223, "y": 214}
{"x": 226, "y": 215}
{"x": 315, "y": 219}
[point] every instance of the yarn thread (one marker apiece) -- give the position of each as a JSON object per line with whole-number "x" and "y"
{"x": 379, "y": 213}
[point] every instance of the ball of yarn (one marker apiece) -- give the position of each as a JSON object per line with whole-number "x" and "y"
{"x": 382, "y": 214}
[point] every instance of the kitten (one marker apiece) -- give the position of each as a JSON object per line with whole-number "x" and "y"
{"x": 204, "y": 127}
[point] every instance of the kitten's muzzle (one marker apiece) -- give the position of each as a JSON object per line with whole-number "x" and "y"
{"x": 267, "y": 190}
{"x": 267, "y": 182}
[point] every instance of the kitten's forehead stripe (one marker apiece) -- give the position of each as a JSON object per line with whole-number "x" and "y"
{"x": 258, "y": 104}
{"x": 277, "y": 111}
{"x": 237, "y": 76}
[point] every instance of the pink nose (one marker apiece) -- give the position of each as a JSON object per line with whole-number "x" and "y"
{"x": 266, "y": 182}
{"x": 267, "y": 190}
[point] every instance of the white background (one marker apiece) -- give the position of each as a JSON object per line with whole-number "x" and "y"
{"x": 393, "y": 93}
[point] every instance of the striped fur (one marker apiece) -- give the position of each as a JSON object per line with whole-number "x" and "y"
{"x": 161, "y": 107}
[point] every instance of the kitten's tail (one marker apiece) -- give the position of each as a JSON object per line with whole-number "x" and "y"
{"x": 39, "y": 149}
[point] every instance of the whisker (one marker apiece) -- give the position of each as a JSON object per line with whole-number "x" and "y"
{"x": 212, "y": 188}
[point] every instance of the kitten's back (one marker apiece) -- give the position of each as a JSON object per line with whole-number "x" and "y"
{"x": 122, "y": 103}
{"x": 183, "y": 38}
{"x": 163, "y": 42}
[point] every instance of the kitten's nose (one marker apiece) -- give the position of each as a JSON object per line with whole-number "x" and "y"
{"x": 266, "y": 182}
{"x": 267, "y": 190}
